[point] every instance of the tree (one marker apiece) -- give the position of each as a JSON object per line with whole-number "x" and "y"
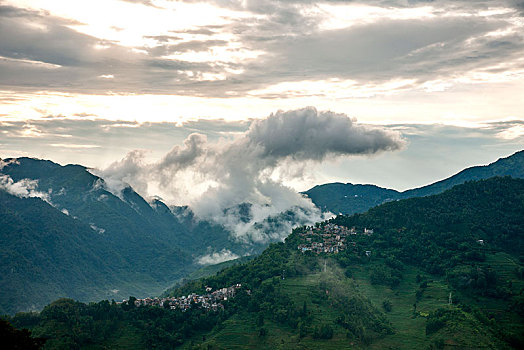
{"x": 260, "y": 319}
{"x": 130, "y": 304}
{"x": 386, "y": 304}
{"x": 13, "y": 338}
{"x": 304, "y": 309}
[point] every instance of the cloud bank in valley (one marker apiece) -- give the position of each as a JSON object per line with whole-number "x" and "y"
{"x": 214, "y": 179}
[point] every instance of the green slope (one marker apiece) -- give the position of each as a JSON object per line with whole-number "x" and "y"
{"x": 510, "y": 166}
{"x": 86, "y": 243}
{"x": 135, "y": 247}
{"x": 46, "y": 254}
{"x": 423, "y": 249}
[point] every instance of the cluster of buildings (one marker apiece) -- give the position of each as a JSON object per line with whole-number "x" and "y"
{"x": 211, "y": 301}
{"x": 329, "y": 238}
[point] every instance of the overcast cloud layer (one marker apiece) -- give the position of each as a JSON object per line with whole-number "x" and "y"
{"x": 250, "y": 48}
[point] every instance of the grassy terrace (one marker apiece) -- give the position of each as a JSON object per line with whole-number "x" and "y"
{"x": 241, "y": 331}
{"x": 410, "y": 330}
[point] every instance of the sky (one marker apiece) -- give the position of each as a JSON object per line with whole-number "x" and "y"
{"x": 172, "y": 96}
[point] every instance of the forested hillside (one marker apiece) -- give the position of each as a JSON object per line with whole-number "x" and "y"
{"x": 510, "y": 166}
{"x": 46, "y": 254}
{"x": 444, "y": 271}
{"x": 80, "y": 240}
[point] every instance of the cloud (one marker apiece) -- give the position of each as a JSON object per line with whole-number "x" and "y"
{"x": 306, "y": 134}
{"x": 218, "y": 179}
{"x": 435, "y": 151}
{"x": 97, "y": 229}
{"x": 40, "y": 50}
{"x": 216, "y": 257}
{"x": 378, "y": 52}
{"x": 193, "y": 45}
{"x": 24, "y": 188}
{"x": 118, "y": 176}
{"x": 270, "y": 43}
{"x": 114, "y": 138}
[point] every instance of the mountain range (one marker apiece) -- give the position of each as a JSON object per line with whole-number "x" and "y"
{"x": 349, "y": 198}
{"x": 64, "y": 233}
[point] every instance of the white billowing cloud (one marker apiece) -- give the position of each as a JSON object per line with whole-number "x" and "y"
{"x": 23, "y": 189}
{"x": 216, "y": 179}
{"x": 97, "y": 229}
{"x": 120, "y": 173}
{"x": 217, "y": 257}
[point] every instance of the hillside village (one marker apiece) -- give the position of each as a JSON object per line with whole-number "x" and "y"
{"x": 210, "y": 301}
{"x": 329, "y": 238}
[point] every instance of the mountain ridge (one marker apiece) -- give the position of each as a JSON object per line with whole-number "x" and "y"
{"x": 158, "y": 242}
{"x": 351, "y": 198}
{"x": 161, "y": 244}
